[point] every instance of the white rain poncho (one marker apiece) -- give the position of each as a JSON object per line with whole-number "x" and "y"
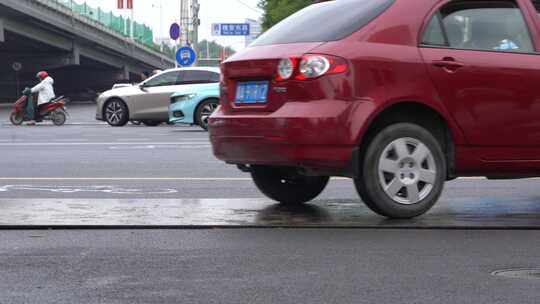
{"x": 45, "y": 90}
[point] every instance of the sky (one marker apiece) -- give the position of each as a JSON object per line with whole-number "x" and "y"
{"x": 212, "y": 11}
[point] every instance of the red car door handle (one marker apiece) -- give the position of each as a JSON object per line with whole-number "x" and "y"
{"x": 449, "y": 64}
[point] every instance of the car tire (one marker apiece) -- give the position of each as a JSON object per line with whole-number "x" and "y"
{"x": 286, "y": 185}
{"x": 204, "y": 110}
{"x": 151, "y": 123}
{"x": 403, "y": 172}
{"x": 116, "y": 113}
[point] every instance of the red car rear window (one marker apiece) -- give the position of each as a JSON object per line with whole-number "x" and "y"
{"x": 326, "y": 21}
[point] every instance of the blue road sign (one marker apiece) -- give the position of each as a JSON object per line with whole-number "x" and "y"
{"x": 174, "y": 31}
{"x": 230, "y": 29}
{"x": 186, "y": 56}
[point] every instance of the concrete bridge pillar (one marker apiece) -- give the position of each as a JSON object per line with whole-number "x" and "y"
{"x": 76, "y": 53}
{"x": 125, "y": 73}
{"x": 2, "y": 34}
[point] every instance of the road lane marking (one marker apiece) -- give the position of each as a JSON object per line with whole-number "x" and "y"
{"x": 131, "y": 139}
{"x": 160, "y": 178}
{"x": 200, "y": 138}
{"x": 125, "y": 179}
{"x": 93, "y": 189}
{"x": 150, "y": 147}
{"x": 40, "y": 144}
{"x": 63, "y": 140}
{"x": 50, "y": 124}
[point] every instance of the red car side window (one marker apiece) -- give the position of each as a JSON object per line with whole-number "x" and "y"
{"x": 480, "y": 25}
{"x": 434, "y": 34}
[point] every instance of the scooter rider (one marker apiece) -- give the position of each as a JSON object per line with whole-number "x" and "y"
{"x": 45, "y": 91}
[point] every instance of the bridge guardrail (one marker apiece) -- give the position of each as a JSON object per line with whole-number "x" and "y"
{"x": 78, "y": 12}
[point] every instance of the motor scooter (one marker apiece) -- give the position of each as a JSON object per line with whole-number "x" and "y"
{"x": 23, "y": 110}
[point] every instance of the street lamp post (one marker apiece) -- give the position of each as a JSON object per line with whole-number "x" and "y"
{"x": 161, "y": 22}
{"x": 132, "y": 24}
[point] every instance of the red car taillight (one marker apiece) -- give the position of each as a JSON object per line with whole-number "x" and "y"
{"x": 286, "y": 68}
{"x": 310, "y": 67}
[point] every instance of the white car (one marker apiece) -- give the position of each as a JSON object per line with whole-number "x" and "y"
{"x": 148, "y": 101}
{"x": 121, "y": 85}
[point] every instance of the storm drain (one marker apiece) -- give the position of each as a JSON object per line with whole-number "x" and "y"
{"x": 521, "y": 273}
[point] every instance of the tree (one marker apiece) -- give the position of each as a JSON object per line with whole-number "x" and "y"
{"x": 277, "y": 10}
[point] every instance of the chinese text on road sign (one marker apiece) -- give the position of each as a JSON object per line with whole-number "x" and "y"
{"x": 230, "y": 29}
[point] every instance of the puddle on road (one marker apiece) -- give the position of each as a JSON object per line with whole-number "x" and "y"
{"x": 487, "y": 213}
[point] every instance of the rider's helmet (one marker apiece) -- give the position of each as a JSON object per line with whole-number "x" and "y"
{"x": 42, "y": 75}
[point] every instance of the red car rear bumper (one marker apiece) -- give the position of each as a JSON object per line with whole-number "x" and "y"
{"x": 318, "y": 134}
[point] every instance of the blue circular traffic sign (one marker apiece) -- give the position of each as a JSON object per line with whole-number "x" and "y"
{"x": 175, "y": 31}
{"x": 186, "y": 56}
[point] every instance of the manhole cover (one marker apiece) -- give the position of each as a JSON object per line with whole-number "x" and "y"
{"x": 522, "y": 273}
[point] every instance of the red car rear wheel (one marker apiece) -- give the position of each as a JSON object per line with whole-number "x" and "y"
{"x": 403, "y": 172}
{"x": 286, "y": 185}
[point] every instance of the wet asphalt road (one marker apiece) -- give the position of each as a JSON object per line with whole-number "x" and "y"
{"x": 88, "y": 174}
{"x": 266, "y": 266}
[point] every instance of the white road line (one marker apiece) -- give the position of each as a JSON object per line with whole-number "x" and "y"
{"x": 125, "y": 179}
{"x": 472, "y": 178}
{"x": 150, "y": 147}
{"x": 40, "y": 144}
{"x": 48, "y": 124}
{"x": 63, "y": 140}
{"x": 159, "y": 178}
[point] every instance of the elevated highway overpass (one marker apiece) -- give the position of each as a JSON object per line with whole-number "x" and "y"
{"x": 83, "y": 55}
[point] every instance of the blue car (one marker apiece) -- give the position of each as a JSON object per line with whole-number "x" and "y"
{"x": 194, "y": 105}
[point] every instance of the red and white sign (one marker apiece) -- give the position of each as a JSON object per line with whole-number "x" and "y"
{"x": 224, "y": 54}
{"x": 125, "y": 4}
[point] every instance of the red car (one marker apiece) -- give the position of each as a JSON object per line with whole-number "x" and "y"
{"x": 400, "y": 95}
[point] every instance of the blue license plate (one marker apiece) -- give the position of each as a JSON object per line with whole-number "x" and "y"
{"x": 251, "y": 92}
